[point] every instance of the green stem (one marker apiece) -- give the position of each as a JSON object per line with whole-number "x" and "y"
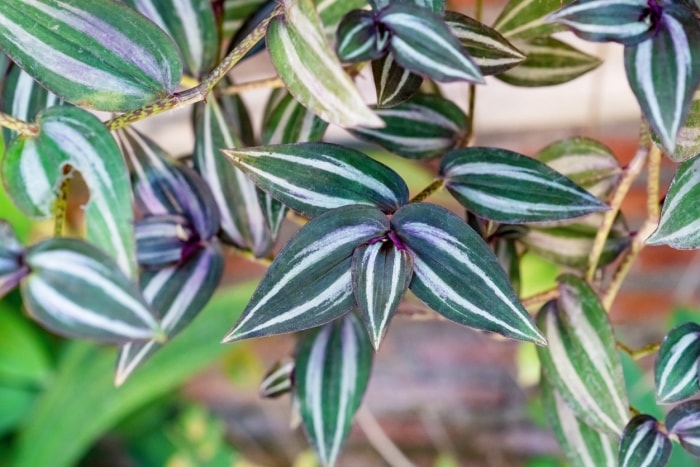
{"x": 642, "y": 352}
{"x": 62, "y": 202}
{"x": 434, "y": 187}
{"x": 20, "y": 126}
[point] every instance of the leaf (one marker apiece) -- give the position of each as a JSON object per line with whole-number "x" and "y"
{"x": 505, "y": 186}
{"x": 33, "y": 169}
{"x": 457, "y": 275}
{"x": 549, "y": 62}
{"x": 525, "y": 19}
{"x": 332, "y": 370}
{"x": 688, "y": 137}
{"x": 237, "y": 115}
{"x": 425, "y": 126}
{"x": 507, "y": 253}
{"x": 247, "y": 24}
{"x": 163, "y": 240}
{"x": 76, "y": 290}
{"x": 12, "y": 269}
{"x": 491, "y": 52}
{"x": 581, "y": 360}
{"x": 278, "y": 379}
{"x": 311, "y": 71}
{"x": 24, "y": 358}
{"x": 101, "y": 55}
{"x": 309, "y": 282}
{"x": 312, "y": 178}
{"x": 582, "y": 445}
{"x": 381, "y": 273}
{"x": 644, "y": 444}
{"x": 287, "y": 121}
{"x": 664, "y": 72}
{"x": 676, "y": 371}
{"x": 360, "y": 38}
{"x": 626, "y": 21}
{"x": 683, "y": 421}
{"x": 394, "y": 84}
{"x": 235, "y": 12}
{"x": 331, "y": 12}
{"x": 585, "y": 161}
{"x": 421, "y": 42}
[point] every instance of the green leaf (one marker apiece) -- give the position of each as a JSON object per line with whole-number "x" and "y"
{"x": 549, "y": 62}
{"x": 422, "y": 43}
{"x": 237, "y": 115}
{"x": 425, "y": 126}
{"x": 248, "y": 24}
{"x": 688, "y": 137}
{"x": 664, "y": 72}
{"x": 525, "y": 19}
{"x": 676, "y": 372}
{"x": 101, "y": 55}
{"x": 581, "y": 359}
{"x": 456, "y": 274}
{"x": 643, "y": 444}
{"x": 17, "y": 404}
{"x": 492, "y": 52}
{"x": 309, "y": 283}
{"x": 278, "y": 379}
{"x": 360, "y": 38}
{"x": 684, "y": 422}
{"x": 310, "y": 69}
{"x": 331, "y": 374}
{"x": 33, "y": 170}
{"x": 286, "y": 121}
{"x": 312, "y": 178}
{"x": 507, "y": 253}
{"x": 331, "y": 12}
{"x": 24, "y": 360}
{"x": 236, "y": 12}
{"x": 12, "y": 269}
{"x": 381, "y": 273}
{"x": 505, "y": 186}
{"x": 393, "y": 83}
{"x": 76, "y": 290}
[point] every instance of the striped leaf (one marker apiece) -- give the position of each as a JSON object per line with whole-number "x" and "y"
{"x": 287, "y": 121}
{"x": 360, "y": 38}
{"x": 312, "y": 178}
{"x": 309, "y": 283}
{"x": 101, "y": 55}
{"x": 278, "y": 379}
{"x": 381, "y": 273}
{"x": 581, "y": 360}
{"x": 178, "y": 294}
{"x": 644, "y": 444}
{"x": 331, "y": 13}
{"x": 33, "y": 170}
{"x": 164, "y": 240}
{"x": 676, "y": 372}
{"x": 684, "y": 422}
{"x": 76, "y": 290}
{"x": 492, "y": 52}
{"x": 235, "y": 12}
{"x": 505, "y": 186}
{"x": 12, "y": 269}
{"x": 456, "y": 274}
{"x": 422, "y": 43}
{"x": 237, "y": 115}
{"x": 626, "y": 21}
{"x": 549, "y": 62}
{"x": 191, "y": 24}
{"x": 680, "y": 217}
{"x": 333, "y": 366}
{"x": 393, "y": 83}
{"x": 664, "y": 72}
{"x": 310, "y": 69}
{"x": 248, "y": 25}
{"x": 525, "y": 19}
{"x": 243, "y": 220}
{"x": 582, "y": 445}
{"x": 588, "y": 163}
{"x": 425, "y": 126}
{"x": 688, "y": 137}
{"x": 506, "y": 251}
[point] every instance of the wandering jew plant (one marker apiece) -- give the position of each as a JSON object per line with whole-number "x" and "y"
{"x": 158, "y": 229}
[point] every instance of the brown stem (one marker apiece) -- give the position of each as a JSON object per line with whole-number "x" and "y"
{"x": 266, "y": 83}
{"x": 62, "y": 202}
{"x": 20, "y": 126}
{"x": 642, "y": 352}
{"x": 434, "y": 187}
{"x": 540, "y": 298}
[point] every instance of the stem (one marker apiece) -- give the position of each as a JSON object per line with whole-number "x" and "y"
{"x": 377, "y": 437}
{"x": 540, "y": 298}
{"x": 641, "y": 352}
{"x": 434, "y": 187}
{"x": 197, "y": 93}
{"x": 469, "y": 139}
{"x": 20, "y": 126}
{"x": 266, "y": 83}
{"x": 62, "y": 202}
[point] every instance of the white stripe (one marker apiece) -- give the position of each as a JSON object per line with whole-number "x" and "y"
{"x": 684, "y": 62}
{"x": 22, "y": 96}
{"x": 369, "y": 261}
{"x": 128, "y": 363}
{"x": 393, "y": 294}
{"x": 509, "y": 205}
{"x": 639, "y": 435}
{"x": 314, "y": 387}
{"x": 277, "y": 136}
{"x": 408, "y": 143}
{"x": 571, "y": 429}
{"x": 448, "y": 70}
{"x": 348, "y": 381}
{"x": 677, "y": 351}
{"x": 189, "y": 19}
{"x": 36, "y": 184}
{"x": 645, "y": 78}
{"x": 188, "y": 292}
{"x": 513, "y": 13}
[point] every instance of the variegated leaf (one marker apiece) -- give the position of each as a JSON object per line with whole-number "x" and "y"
{"x": 101, "y": 55}
{"x": 332, "y": 369}
{"x": 310, "y": 69}
{"x": 644, "y": 444}
{"x": 525, "y": 19}
{"x": 309, "y": 283}
{"x": 456, "y": 274}
{"x": 178, "y": 294}
{"x": 684, "y": 422}
{"x": 492, "y": 52}
{"x": 381, "y": 273}
{"x": 76, "y": 290}
{"x": 235, "y": 12}
{"x": 676, "y": 373}
{"x": 360, "y": 38}
{"x": 278, "y": 379}
{"x": 581, "y": 360}
{"x": 422, "y": 43}
{"x": 248, "y": 25}
{"x": 664, "y": 72}
{"x": 506, "y": 250}
{"x": 688, "y": 137}
{"x": 394, "y": 84}
{"x": 425, "y": 126}
{"x": 331, "y": 13}
{"x": 549, "y": 62}
{"x": 312, "y": 178}
{"x": 505, "y": 186}
{"x": 164, "y": 240}
{"x": 237, "y": 115}
{"x": 33, "y": 169}
{"x": 287, "y": 121}
{"x": 582, "y": 445}
{"x": 12, "y": 267}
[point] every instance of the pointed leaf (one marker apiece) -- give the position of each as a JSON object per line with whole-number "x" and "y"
{"x": 332, "y": 12}
{"x": 581, "y": 359}
{"x": 523, "y": 19}
{"x": 505, "y": 186}
{"x": 643, "y": 444}
{"x": 360, "y": 38}
{"x": 684, "y": 422}
{"x": 457, "y": 275}
{"x": 12, "y": 269}
{"x": 286, "y": 121}
{"x": 163, "y": 240}
{"x": 332, "y": 370}
{"x": 278, "y": 379}
{"x": 314, "y": 177}
{"x": 394, "y": 83}
{"x": 688, "y": 137}
{"x": 381, "y": 274}
{"x": 101, "y": 55}
{"x": 260, "y": 10}
{"x": 309, "y": 283}
{"x": 676, "y": 372}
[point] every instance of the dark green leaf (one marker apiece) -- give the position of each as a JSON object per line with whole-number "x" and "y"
{"x": 331, "y": 13}
{"x": 684, "y": 422}
{"x": 360, "y": 38}
{"x": 287, "y": 121}
{"x": 278, "y": 379}
{"x": 394, "y": 84}
{"x": 643, "y": 444}
{"x": 676, "y": 372}
{"x": 523, "y": 19}
{"x": 507, "y": 253}
{"x": 24, "y": 360}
